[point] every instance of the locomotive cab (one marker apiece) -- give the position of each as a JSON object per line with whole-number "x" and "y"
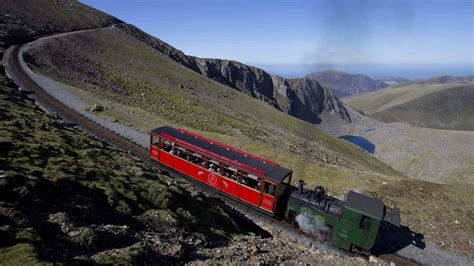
{"x": 354, "y": 222}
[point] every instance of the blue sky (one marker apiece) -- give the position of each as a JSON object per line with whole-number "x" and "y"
{"x": 330, "y": 32}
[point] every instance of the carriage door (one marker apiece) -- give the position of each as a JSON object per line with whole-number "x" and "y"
{"x": 268, "y": 196}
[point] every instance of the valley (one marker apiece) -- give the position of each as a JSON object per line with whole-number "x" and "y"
{"x": 440, "y": 106}
{"x": 416, "y": 155}
{"x": 135, "y": 109}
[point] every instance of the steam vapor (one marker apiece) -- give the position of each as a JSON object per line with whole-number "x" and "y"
{"x": 315, "y": 227}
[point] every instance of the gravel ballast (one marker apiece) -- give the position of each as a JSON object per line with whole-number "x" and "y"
{"x": 430, "y": 255}
{"x": 71, "y": 100}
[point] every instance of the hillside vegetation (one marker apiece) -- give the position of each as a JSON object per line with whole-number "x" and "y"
{"x": 22, "y": 20}
{"x": 440, "y": 106}
{"x": 146, "y": 89}
{"x": 303, "y": 98}
{"x": 66, "y": 196}
{"x": 114, "y": 65}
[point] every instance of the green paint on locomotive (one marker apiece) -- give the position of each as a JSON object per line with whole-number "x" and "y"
{"x": 350, "y": 227}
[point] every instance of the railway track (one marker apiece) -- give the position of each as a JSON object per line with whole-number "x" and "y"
{"x": 397, "y": 260}
{"x": 15, "y": 71}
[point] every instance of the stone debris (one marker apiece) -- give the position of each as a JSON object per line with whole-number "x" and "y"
{"x": 96, "y": 108}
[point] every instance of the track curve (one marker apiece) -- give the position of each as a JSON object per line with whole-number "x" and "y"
{"x": 15, "y": 72}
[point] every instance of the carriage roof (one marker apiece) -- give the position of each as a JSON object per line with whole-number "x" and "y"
{"x": 271, "y": 170}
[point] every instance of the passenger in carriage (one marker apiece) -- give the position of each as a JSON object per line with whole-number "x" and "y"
{"x": 197, "y": 160}
{"x": 166, "y": 147}
{"x": 173, "y": 151}
{"x": 210, "y": 167}
{"x": 226, "y": 173}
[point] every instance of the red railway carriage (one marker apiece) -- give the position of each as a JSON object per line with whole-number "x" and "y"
{"x": 253, "y": 180}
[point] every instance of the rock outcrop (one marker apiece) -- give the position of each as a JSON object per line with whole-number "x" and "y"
{"x": 303, "y": 98}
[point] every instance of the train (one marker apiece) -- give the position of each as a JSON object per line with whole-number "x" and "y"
{"x": 352, "y": 224}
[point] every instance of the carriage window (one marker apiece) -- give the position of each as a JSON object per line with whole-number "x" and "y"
{"x": 183, "y": 154}
{"x": 250, "y": 181}
{"x": 165, "y": 145}
{"x": 269, "y": 189}
{"x": 197, "y": 159}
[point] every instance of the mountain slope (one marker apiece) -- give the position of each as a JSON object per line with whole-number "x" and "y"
{"x": 344, "y": 84}
{"x": 145, "y": 88}
{"x": 274, "y": 90}
{"x": 22, "y": 20}
{"x": 441, "y": 106}
{"x": 68, "y": 197}
{"x": 112, "y": 64}
{"x": 446, "y": 79}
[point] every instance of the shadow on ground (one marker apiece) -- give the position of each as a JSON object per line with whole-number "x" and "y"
{"x": 393, "y": 239}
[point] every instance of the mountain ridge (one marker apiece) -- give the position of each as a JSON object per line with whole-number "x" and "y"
{"x": 283, "y": 94}
{"x": 344, "y": 84}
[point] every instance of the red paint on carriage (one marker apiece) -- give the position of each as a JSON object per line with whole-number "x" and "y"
{"x": 191, "y": 154}
{"x": 154, "y": 152}
{"x": 212, "y": 179}
{"x": 268, "y": 202}
{"x": 250, "y": 195}
{"x": 230, "y": 187}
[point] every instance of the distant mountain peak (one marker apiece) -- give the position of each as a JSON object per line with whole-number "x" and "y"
{"x": 344, "y": 84}
{"x": 303, "y": 98}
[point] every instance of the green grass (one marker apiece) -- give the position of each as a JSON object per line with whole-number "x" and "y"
{"x": 162, "y": 91}
{"x": 215, "y": 111}
{"x": 19, "y": 254}
{"x": 41, "y": 17}
{"x": 48, "y": 168}
{"x": 440, "y": 106}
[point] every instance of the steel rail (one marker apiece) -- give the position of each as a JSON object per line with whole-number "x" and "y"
{"x": 279, "y": 227}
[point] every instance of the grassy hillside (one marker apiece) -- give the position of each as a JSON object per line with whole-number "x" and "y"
{"x": 441, "y": 106}
{"x": 143, "y": 88}
{"x": 22, "y": 20}
{"x": 117, "y": 67}
{"x": 68, "y": 197}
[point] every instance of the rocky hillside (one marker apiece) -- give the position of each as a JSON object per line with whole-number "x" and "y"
{"x": 301, "y": 98}
{"x": 111, "y": 63}
{"x": 67, "y": 197}
{"x": 22, "y": 20}
{"x": 344, "y": 84}
{"x": 144, "y": 88}
{"x": 440, "y": 106}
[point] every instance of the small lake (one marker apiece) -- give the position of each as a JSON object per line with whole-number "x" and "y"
{"x": 361, "y": 142}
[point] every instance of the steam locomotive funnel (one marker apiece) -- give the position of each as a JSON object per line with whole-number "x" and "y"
{"x": 320, "y": 193}
{"x": 300, "y": 187}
